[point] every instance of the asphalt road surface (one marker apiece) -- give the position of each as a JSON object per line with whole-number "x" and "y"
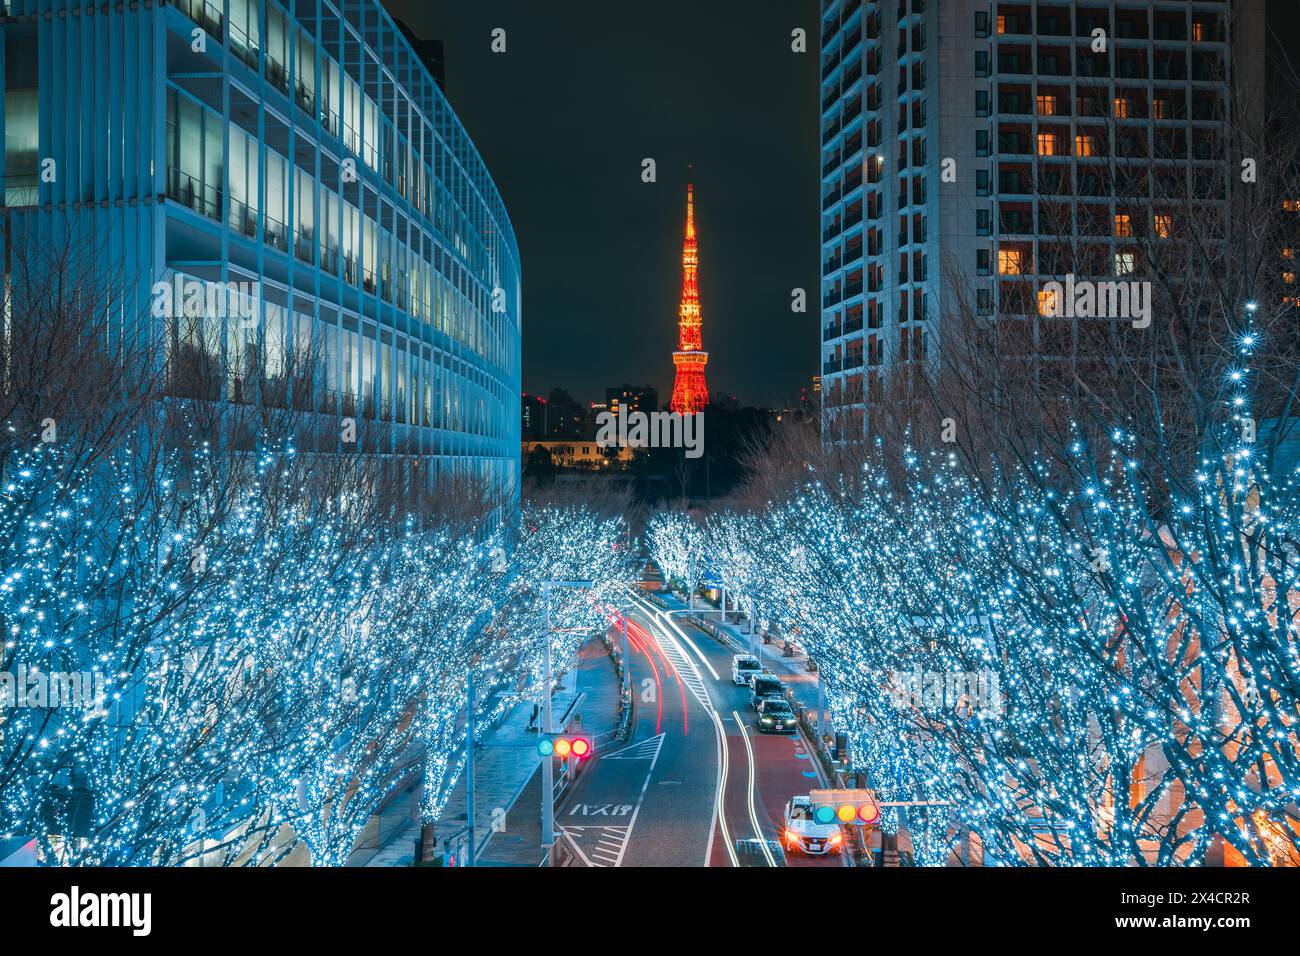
{"x": 696, "y": 784}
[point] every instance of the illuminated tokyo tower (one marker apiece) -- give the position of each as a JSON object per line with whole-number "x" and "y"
{"x": 690, "y": 394}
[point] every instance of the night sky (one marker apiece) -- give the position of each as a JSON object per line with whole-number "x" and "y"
{"x": 585, "y": 91}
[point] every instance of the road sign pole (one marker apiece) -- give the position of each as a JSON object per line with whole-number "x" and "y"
{"x": 548, "y": 769}
{"x": 821, "y": 705}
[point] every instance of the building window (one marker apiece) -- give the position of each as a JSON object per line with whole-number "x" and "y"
{"x": 1163, "y": 224}
{"x": 1002, "y": 23}
{"x": 981, "y": 23}
{"x": 982, "y": 142}
{"x": 981, "y": 102}
{"x": 1198, "y": 32}
{"x": 1291, "y": 205}
{"x": 1288, "y": 252}
{"x": 1288, "y": 278}
{"x": 981, "y": 63}
{"x": 1011, "y": 262}
{"x": 1121, "y": 107}
{"x": 983, "y": 222}
{"x": 1085, "y": 144}
{"x": 982, "y": 262}
{"x": 1123, "y": 225}
{"x": 1125, "y": 263}
{"x": 1160, "y": 109}
{"x": 1046, "y": 104}
{"x": 1047, "y": 305}
{"x": 1047, "y": 144}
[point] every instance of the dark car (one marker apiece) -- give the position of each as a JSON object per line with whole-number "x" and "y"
{"x": 764, "y": 686}
{"x": 775, "y": 716}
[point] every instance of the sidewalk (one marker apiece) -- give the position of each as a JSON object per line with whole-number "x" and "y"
{"x": 506, "y": 761}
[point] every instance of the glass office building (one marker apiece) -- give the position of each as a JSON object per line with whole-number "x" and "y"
{"x": 305, "y": 150}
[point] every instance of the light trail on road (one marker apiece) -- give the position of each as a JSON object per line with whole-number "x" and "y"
{"x": 753, "y": 786}
{"x": 720, "y": 735}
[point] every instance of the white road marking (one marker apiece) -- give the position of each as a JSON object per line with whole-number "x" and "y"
{"x": 753, "y": 785}
{"x": 719, "y": 731}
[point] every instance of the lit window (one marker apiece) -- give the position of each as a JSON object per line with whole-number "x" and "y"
{"x": 1011, "y": 262}
{"x": 1288, "y": 252}
{"x": 1291, "y": 205}
{"x": 1046, "y": 104}
{"x": 1288, "y": 278}
{"x": 1123, "y": 225}
{"x": 1047, "y": 144}
{"x": 1085, "y": 145}
{"x": 1121, "y": 107}
{"x": 1125, "y": 263}
{"x": 1164, "y": 225}
{"x": 1160, "y": 109}
{"x": 1047, "y": 302}
{"x": 1002, "y": 23}
{"x": 1198, "y": 31}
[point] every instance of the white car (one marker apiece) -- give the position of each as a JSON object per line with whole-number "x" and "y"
{"x": 804, "y": 834}
{"x": 743, "y": 667}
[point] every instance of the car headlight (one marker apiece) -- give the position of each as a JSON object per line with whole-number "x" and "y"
{"x": 767, "y": 720}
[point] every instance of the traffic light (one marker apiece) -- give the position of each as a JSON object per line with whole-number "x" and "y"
{"x": 858, "y": 807}
{"x": 566, "y": 745}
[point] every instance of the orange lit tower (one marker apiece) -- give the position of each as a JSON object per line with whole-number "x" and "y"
{"x": 690, "y": 394}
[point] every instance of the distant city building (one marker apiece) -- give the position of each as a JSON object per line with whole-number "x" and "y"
{"x": 690, "y": 394}
{"x": 635, "y": 398}
{"x": 566, "y": 417}
{"x": 579, "y": 453}
{"x": 532, "y": 416}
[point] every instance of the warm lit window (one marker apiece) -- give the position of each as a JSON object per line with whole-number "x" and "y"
{"x": 1002, "y": 23}
{"x": 1121, "y": 107}
{"x": 1125, "y": 263}
{"x": 1047, "y": 144}
{"x": 1291, "y": 205}
{"x": 1011, "y": 262}
{"x": 1164, "y": 224}
{"x": 1288, "y": 278}
{"x": 1123, "y": 225}
{"x": 1288, "y": 252}
{"x": 1047, "y": 302}
{"x": 1085, "y": 145}
{"x": 1198, "y": 31}
{"x": 1046, "y": 104}
{"x": 1160, "y": 109}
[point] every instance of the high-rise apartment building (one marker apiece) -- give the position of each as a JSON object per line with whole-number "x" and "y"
{"x": 970, "y": 151}
{"x": 302, "y": 151}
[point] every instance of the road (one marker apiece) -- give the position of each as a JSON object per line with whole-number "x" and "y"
{"x": 696, "y": 784}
